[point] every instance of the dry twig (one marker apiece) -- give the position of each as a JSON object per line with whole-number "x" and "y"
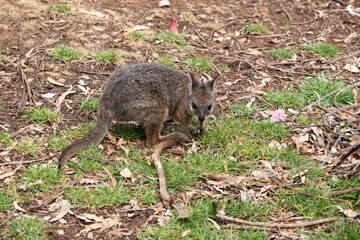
{"x": 164, "y": 195}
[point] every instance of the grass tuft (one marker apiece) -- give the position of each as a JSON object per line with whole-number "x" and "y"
{"x": 171, "y": 39}
{"x": 40, "y": 178}
{"x": 282, "y": 53}
{"x": 60, "y": 9}
{"x": 136, "y": 36}
{"x": 286, "y": 28}
{"x": 65, "y": 54}
{"x": 283, "y": 100}
{"x": 324, "y": 50}
{"x": 198, "y": 64}
{"x": 5, "y": 139}
{"x": 42, "y": 115}
{"x": 28, "y": 228}
{"x": 30, "y": 147}
{"x": 166, "y": 61}
{"x": 6, "y": 202}
{"x": 90, "y": 105}
{"x": 315, "y": 88}
{"x": 106, "y": 58}
{"x": 257, "y": 29}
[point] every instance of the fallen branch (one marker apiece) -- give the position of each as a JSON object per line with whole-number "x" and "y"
{"x": 164, "y": 195}
{"x": 278, "y": 225}
{"x": 355, "y": 147}
{"x": 342, "y": 192}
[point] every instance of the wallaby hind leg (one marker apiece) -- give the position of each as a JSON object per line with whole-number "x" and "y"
{"x": 152, "y": 132}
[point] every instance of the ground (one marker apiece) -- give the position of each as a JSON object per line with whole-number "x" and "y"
{"x": 214, "y": 30}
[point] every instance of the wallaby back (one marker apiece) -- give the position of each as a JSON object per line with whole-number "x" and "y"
{"x": 149, "y": 94}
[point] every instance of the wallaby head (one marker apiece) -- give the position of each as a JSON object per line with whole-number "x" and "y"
{"x": 201, "y": 101}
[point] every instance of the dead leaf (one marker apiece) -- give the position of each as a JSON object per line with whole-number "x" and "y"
{"x": 112, "y": 179}
{"x": 351, "y": 68}
{"x": 105, "y": 224}
{"x": 87, "y": 217}
{"x": 349, "y": 213}
{"x": 120, "y": 144}
{"x": 253, "y": 52}
{"x": 111, "y": 137}
{"x": 17, "y": 207}
{"x": 65, "y": 209}
{"x": 62, "y": 97}
{"x": 164, "y": 3}
{"x": 48, "y": 95}
{"x": 126, "y": 173}
{"x": 188, "y": 232}
{"x": 8, "y": 174}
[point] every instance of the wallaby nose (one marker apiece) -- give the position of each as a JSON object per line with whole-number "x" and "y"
{"x": 201, "y": 118}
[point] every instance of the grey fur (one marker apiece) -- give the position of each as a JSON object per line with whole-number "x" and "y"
{"x": 149, "y": 94}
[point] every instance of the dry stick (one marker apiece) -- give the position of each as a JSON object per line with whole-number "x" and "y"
{"x": 164, "y": 195}
{"x": 279, "y": 225}
{"x": 290, "y": 216}
{"x": 47, "y": 201}
{"x": 199, "y": 35}
{"x": 331, "y": 199}
{"x": 342, "y": 192}
{"x": 353, "y": 149}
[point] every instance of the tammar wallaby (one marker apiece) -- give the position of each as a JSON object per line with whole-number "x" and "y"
{"x": 149, "y": 94}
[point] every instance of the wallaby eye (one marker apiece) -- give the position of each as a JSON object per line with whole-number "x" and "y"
{"x": 194, "y": 106}
{"x": 209, "y": 107}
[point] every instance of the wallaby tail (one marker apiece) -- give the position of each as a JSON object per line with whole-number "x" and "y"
{"x": 93, "y": 139}
{"x": 177, "y": 136}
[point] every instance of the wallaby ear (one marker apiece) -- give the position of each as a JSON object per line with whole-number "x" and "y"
{"x": 211, "y": 84}
{"x": 194, "y": 83}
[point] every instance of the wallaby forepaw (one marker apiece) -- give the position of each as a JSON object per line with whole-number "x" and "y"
{"x": 202, "y": 130}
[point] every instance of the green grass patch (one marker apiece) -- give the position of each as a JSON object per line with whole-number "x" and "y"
{"x": 136, "y": 36}
{"x": 105, "y": 57}
{"x": 6, "y": 202}
{"x": 257, "y": 29}
{"x": 65, "y": 54}
{"x": 90, "y": 105}
{"x": 58, "y": 143}
{"x": 283, "y": 100}
{"x": 199, "y": 226}
{"x": 198, "y": 64}
{"x": 324, "y": 50}
{"x": 189, "y": 17}
{"x": 1, "y": 108}
{"x": 60, "y": 9}
{"x": 40, "y": 178}
{"x": 100, "y": 197}
{"x": 282, "y": 53}
{"x": 242, "y": 111}
{"x": 166, "y": 61}
{"x": 29, "y": 147}
{"x": 286, "y": 28}
{"x": 42, "y": 115}
{"x": 28, "y": 228}
{"x": 78, "y": 132}
{"x": 314, "y": 88}
{"x": 171, "y": 39}
{"x": 224, "y": 68}
{"x": 5, "y": 139}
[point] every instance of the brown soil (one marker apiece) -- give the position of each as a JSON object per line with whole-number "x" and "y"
{"x": 28, "y": 32}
